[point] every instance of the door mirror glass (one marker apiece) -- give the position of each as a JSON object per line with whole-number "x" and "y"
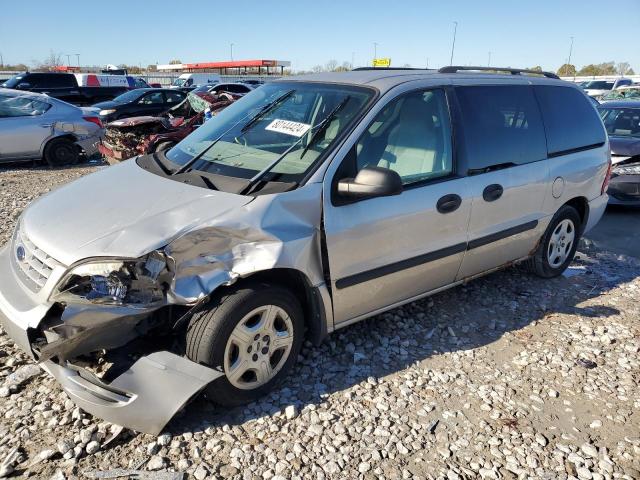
{"x": 371, "y": 182}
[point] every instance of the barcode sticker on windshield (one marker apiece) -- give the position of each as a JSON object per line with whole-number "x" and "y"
{"x": 288, "y": 127}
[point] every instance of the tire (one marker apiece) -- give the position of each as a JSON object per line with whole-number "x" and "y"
{"x": 61, "y": 151}
{"x": 555, "y": 253}
{"x": 161, "y": 147}
{"x": 239, "y": 311}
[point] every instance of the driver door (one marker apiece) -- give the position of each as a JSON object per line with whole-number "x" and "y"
{"x": 388, "y": 250}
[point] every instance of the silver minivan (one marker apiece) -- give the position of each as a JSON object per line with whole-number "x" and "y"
{"x": 312, "y": 203}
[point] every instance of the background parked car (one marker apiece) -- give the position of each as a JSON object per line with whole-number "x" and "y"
{"x": 142, "y": 101}
{"x": 78, "y": 89}
{"x": 630, "y": 92}
{"x": 35, "y": 126}
{"x": 600, "y": 87}
{"x": 622, "y": 121}
{"x": 189, "y": 81}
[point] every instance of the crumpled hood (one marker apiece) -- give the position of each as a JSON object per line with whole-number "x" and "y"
{"x": 120, "y": 211}
{"x": 625, "y": 146}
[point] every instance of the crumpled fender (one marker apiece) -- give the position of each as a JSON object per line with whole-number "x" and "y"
{"x": 272, "y": 231}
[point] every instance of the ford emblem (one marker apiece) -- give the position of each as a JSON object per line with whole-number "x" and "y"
{"x": 20, "y": 253}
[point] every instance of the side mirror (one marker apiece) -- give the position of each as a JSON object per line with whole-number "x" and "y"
{"x": 371, "y": 182}
{"x": 23, "y": 86}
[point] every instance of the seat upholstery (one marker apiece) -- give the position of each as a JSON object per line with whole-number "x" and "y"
{"x": 411, "y": 147}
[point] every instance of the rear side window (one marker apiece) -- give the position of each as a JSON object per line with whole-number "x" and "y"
{"x": 501, "y": 126}
{"x": 570, "y": 121}
{"x": 52, "y": 80}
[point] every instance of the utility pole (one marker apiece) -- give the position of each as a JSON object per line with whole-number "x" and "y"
{"x": 68, "y": 59}
{"x": 231, "y": 47}
{"x": 489, "y": 61}
{"x": 570, "y": 51}
{"x": 1, "y": 60}
{"x": 78, "y": 58}
{"x": 375, "y": 50}
{"x": 453, "y": 44}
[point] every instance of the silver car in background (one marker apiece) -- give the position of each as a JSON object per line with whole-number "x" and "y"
{"x": 310, "y": 204}
{"x": 34, "y": 126}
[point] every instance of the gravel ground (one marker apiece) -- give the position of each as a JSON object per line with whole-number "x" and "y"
{"x": 509, "y": 376}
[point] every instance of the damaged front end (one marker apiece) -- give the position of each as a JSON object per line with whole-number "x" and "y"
{"x": 624, "y": 186}
{"x": 108, "y": 338}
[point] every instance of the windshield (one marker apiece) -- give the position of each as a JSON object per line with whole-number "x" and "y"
{"x": 621, "y": 122}
{"x": 178, "y": 82}
{"x": 629, "y": 93}
{"x": 128, "y": 97}
{"x": 599, "y": 85}
{"x": 290, "y": 128}
{"x": 13, "y": 81}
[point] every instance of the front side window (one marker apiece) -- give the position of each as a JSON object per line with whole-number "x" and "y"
{"x": 501, "y": 126}
{"x": 174, "y": 97}
{"x": 621, "y": 122}
{"x": 21, "y": 106}
{"x": 598, "y": 85}
{"x": 283, "y": 127}
{"x": 411, "y": 136}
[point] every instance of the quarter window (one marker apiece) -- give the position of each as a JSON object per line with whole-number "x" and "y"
{"x": 21, "y": 106}
{"x": 412, "y": 136}
{"x": 501, "y": 126}
{"x": 570, "y": 120}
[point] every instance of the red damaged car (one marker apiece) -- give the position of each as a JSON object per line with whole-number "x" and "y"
{"x": 133, "y": 136}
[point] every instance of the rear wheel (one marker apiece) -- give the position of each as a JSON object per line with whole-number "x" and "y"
{"x": 254, "y": 333}
{"x": 61, "y": 151}
{"x": 558, "y": 245}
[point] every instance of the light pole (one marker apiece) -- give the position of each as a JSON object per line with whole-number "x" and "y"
{"x": 68, "y": 59}
{"x": 231, "y": 48}
{"x": 570, "y": 51}
{"x": 453, "y": 44}
{"x": 489, "y": 61}
{"x": 375, "y": 50}
{"x": 427, "y": 63}
{"x": 78, "y": 58}
{"x": 353, "y": 60}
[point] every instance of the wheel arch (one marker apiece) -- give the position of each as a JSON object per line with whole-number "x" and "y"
{"x": 310, "y": 297}
{"x": 68, "y": 136}
{"x": 581, "y": 204}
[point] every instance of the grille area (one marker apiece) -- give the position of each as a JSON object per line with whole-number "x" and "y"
{"x": 32, "y": 265}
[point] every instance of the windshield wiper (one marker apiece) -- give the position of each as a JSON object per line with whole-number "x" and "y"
{"x": 324, "y": 124}
{"x": 320, "y": 127}
{"x": 266, "y": 109}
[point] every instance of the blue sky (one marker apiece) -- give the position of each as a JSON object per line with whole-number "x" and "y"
{"x": 518, "y": 33}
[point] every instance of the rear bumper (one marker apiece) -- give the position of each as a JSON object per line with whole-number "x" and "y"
{"x": 597, "y": 206}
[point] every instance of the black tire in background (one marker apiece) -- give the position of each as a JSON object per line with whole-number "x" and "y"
{"x": 539, "y": 262}
{"x": 61, "y": 151}
{"x": 209, "y": 330}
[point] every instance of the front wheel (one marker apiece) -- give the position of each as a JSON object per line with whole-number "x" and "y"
{"x": 254, "y": 333}
{"x": 558, "y": 245}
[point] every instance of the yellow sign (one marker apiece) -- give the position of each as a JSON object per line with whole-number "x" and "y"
{"x": 381, "y": 62}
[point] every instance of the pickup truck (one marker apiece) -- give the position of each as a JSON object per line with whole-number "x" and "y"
{"x": 78, "y": 89}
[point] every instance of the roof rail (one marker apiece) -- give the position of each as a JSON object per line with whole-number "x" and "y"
{"x": 513, "y": 71}
{"x": 360, "y": 69}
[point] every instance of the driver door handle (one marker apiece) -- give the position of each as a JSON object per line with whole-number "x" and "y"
{"x": 492, "y": 192}
{"x": 448, "y": 203}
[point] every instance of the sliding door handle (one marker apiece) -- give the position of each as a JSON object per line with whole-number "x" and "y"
{"x": 492, "y": 192}
{"x": 449, "y": 203}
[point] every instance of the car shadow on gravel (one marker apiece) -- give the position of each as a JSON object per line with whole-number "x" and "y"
{"x": 464, "y": 318}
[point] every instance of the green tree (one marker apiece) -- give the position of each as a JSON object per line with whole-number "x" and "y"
{"x": 175, "y": 62}
{"x": 567, "y": 70}
{"x": 537, "y": 68}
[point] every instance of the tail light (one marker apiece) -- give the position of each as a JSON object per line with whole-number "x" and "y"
{"x": 607, "y": 177}
{"x": 95, "y": 120}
